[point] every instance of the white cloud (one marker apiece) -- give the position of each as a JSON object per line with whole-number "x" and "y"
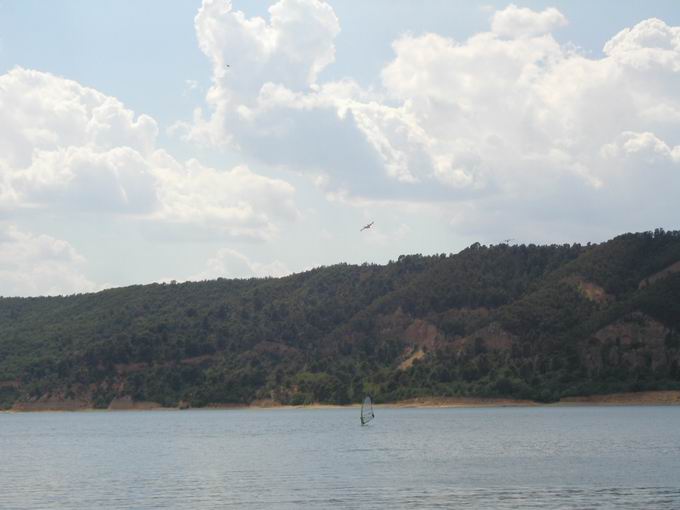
{"x": 238, "y": 202}
{"x": 516, "y": 21}
{"x": 507, "y": 126}
{"x": 643, "y": 148}
{"x": 33, "y": 265}
{"x": 291, "y": 49}
{"x": 45, "y": 112}
{"x": 80, "y": 177}
{"x": 647, "y": 44}
{"x": 65, "y": 147}
{"x": 228, "y": 263}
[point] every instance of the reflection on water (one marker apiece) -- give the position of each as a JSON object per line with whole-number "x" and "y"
{"x": 577, "y": 457}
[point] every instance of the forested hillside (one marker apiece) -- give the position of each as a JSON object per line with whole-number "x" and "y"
{"x": 523, "y": 321}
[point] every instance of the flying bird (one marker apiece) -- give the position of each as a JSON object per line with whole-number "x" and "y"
{"x": 366, "y": 227}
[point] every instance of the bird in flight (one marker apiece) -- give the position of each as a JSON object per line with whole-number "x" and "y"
{"x": 366, "y": 227}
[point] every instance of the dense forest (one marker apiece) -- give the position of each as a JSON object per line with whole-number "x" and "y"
{"x": 520, "y": 321}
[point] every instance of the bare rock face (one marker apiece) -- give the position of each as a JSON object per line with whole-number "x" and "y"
{"x": 411, "y": 355}
{"x": 423, "y": 334}
{"x": 419, "y": 336}
{"x": 492, "y": 338}
{"x": 589, "y": 290}
{"x": 635, "y": 342}
{"x": 634, "y": 330}
{"x": 673, "y": 268}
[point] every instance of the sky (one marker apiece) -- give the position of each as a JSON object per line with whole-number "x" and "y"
{"x": 156, "y": 141}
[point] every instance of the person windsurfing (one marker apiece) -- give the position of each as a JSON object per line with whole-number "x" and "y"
{"x": 367, "y": 410}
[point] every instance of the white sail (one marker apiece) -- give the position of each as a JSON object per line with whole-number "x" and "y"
{"x": 367, "y": 410}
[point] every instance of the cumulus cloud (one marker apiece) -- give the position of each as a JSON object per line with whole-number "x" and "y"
{"x": 643, "y": 148}
{"x": 65, "y": 147}
{"x": 516, "y": 21}
{"x": 291, "y": 49}
{"x": 238, "y": 201}
{"x": 33, "y": 264}
{"x": 81, "y": 177}
{"x": 506, "y": 126}
{"x": 45, "y": 112}
{"x": 647, "y": 43}
{"x": 268, "y": 102}
{"x": 228, "y": 263}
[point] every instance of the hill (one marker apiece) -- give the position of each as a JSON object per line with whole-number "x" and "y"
{"x": 523, "y": 321}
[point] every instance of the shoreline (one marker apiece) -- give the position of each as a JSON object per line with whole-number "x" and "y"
{"x": 645, "y": 398}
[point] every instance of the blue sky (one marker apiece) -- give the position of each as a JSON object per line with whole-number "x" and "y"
{"x": 130, "y": 156}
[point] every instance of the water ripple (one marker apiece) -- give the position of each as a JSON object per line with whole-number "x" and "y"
{"x": 572, "y": 458}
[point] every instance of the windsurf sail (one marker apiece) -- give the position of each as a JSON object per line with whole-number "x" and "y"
{"x": 367, "y": 410}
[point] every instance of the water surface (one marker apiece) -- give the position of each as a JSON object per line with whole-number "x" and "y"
{"x": 547, "y": 457}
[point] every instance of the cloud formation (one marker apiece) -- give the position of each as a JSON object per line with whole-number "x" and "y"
{"x": 507, "y": 127}
{"x": 66, "y": 147}
{"x": 41, "y": 111}
{"x": 33, "y": 265}
{"x": 239, "y": 202}
{"x": 517, "y": 22}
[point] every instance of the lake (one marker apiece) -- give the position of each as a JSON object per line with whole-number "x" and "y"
{"x": 542, "y": 457}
